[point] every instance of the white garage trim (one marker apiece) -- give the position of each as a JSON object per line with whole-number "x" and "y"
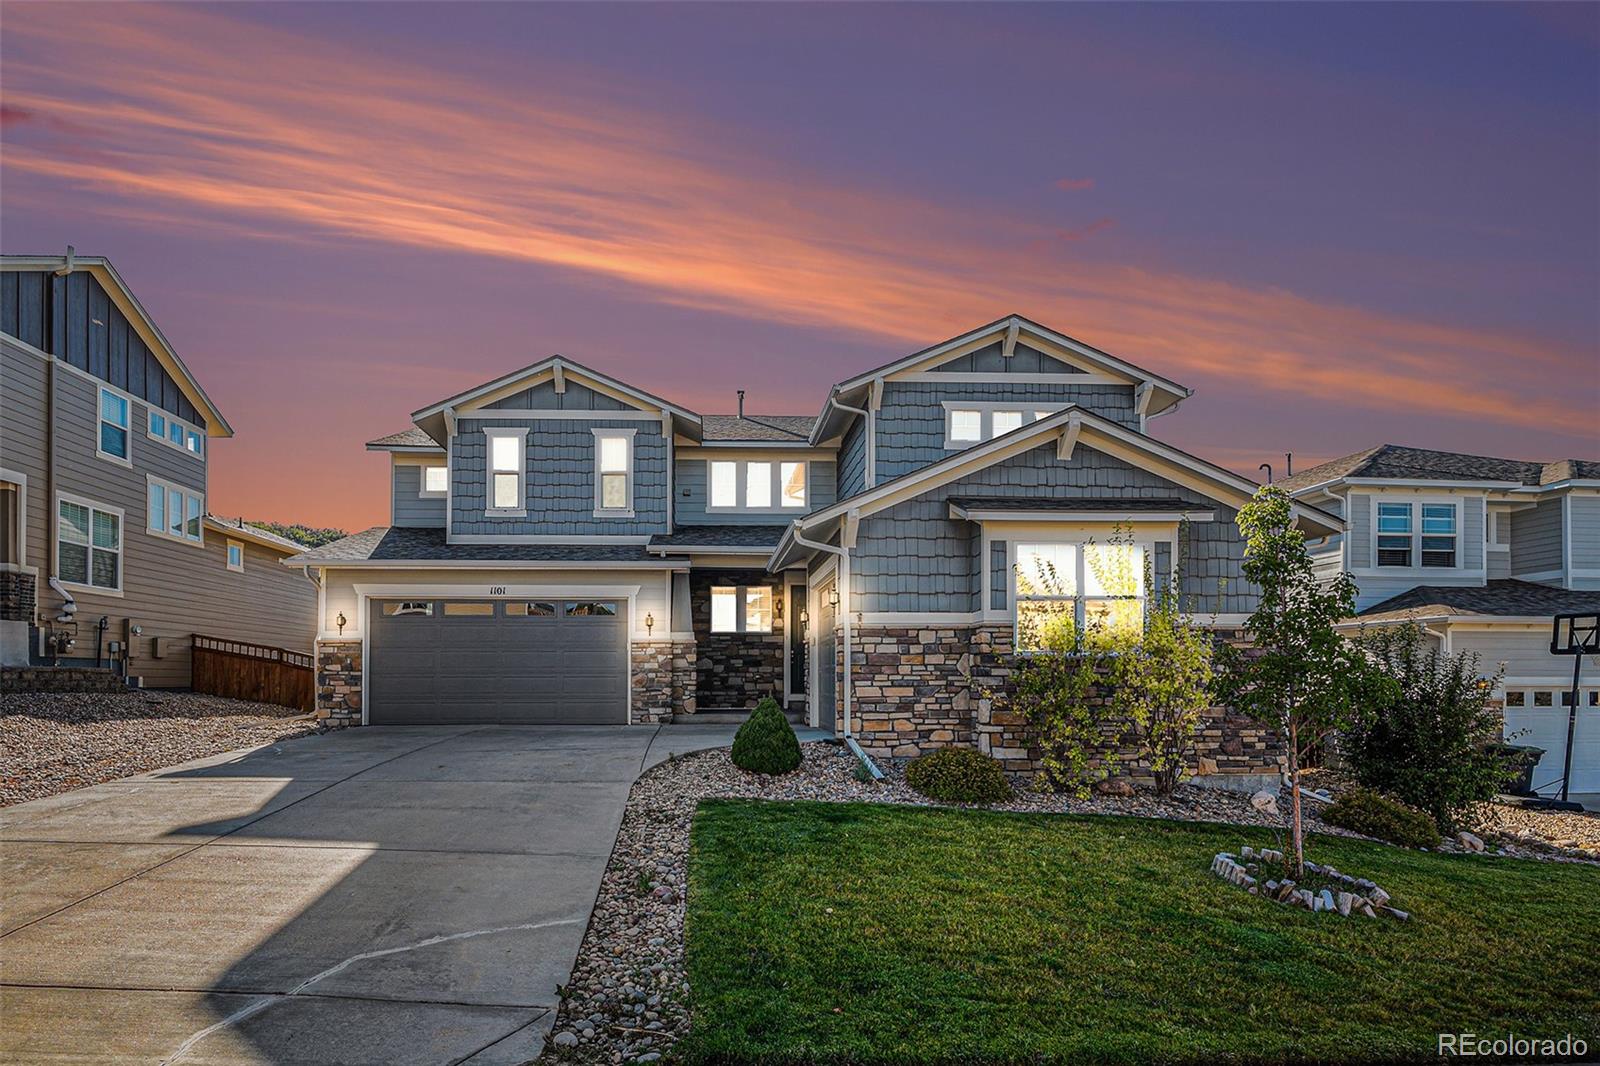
{"x": 366, "y": 593}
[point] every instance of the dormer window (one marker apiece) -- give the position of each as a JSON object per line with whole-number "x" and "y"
{"x": 969, "y": 423}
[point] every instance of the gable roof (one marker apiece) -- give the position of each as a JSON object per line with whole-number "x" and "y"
{"x": 117, "y": 289}
{"x": 1164, "y": 393}
{"x": 775, "y": 428}
{"x": 1400, "y": 463}
{"x": 1507, "y": 598}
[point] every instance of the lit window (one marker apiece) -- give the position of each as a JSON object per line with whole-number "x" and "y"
{"x": 1006, "y": 421}
{"x": 89, "y": 545}
{"x": 758, "y": 610}
{"x": 966, "y": 425}
{"x": 724, "y": 484}
{"x": 113, "y": 425}
{"x": 614, "y": 470}
{"x": 1063, "y": 590}
{"x": 175, "y": 512}
{"x": 724, "y": 609}
{"x": 235, "y": 555}
{"x": 741, "y": 609}
{"x": 435, "y": 480}
{"x": 758, "y": 485}
{"x": 793, "y": 476}
{"x": 505, "y": 468}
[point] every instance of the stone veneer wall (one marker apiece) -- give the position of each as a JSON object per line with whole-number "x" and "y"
{"x": 735, "y": 670}
{"x": 18, "y": 593}
{"x": 663, "y": 679}
{"x": 932, "y": 687}
{"x": 339, "y": 682}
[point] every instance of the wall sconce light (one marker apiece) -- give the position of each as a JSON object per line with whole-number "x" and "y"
{"x": 341, "y": 622}
{"x": 805, "y": 617}
{"x": 833, "y": 596}
{"x": 649, "y": 624}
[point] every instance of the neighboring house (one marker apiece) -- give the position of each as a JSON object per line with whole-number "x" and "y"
{"x": 1481, "y": 552}
{"x": 564, "y": 547}
{"x": 104, "y": 450}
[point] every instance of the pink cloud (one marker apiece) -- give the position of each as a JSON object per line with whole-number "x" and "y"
{"x": 1075, "y": 184}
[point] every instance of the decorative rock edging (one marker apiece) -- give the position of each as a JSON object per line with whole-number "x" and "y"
{"x": 1341, "y": 893}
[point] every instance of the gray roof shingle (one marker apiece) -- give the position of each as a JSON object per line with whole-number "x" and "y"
{"x": 1507, "y": 597}
{"x": 720, "y": 537}
{"x": 774, "y": 428}
{"x": 406, "y": 438}
{"x": 1426, "y": 464}
{"x": 394, "y": 544}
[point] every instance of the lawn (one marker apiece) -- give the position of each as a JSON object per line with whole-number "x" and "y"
{"x": 866, "y": 933}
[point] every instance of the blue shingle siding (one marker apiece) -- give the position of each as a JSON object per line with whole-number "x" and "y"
{"x": 999, "y": 579}
{"x": 853, "y": 458}
{"x": 544, "y": 397}
{"x": 989, "y": 360}
{"x": 913, "y": 557}
{"x": 1161, "y": 565}
{"x": 689, "y": 482}
{"x": 911, "y": 420}
{"x": 560, "y": 479}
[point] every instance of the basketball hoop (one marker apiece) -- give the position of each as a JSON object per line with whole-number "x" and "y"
{"x": 1576, "y": 635}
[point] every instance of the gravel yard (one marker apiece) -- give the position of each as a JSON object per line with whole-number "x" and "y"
{"x": 52, "y": 742}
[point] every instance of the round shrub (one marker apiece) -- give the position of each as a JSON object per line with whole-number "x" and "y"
{"x": 1370, "y": 814}
{"x": 958, "y": 775}
{"x": 765, "y": 743}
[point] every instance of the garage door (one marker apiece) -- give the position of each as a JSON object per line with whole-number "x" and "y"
{"x": 533, "y": 661}
{"x": 1539, "y": 714}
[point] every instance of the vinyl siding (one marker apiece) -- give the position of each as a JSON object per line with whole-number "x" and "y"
{"x": 171, "y": 589}
{"x": 409, "y": 508}
{"x": 689, "y": 482}
{"x": 910, "y": 423}
{"x": 1584, "y": 523}
{"x": 852, "y": 458}
{"x": 1526, "y": 652}
{"x": 560, "y": 479}
{"x": 1376, "y": 584}
{"x": 1536, "y": 539}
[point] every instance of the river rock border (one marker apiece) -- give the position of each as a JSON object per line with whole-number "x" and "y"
{"x": 1338, "y": 893}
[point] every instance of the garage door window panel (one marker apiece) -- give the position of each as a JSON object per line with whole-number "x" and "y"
{"x": 531, "y": 609}
{"x": 469, "y": 610}
{"x": 591, "y": 609}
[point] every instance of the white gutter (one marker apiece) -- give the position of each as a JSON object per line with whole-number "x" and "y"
{"x": 843, "y": 555}
{"x": 869, "y": 478}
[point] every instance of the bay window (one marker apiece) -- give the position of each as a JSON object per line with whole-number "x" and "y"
{"x": 1068, "y": 591}
{"x": 755, "y": 485}
{"x": 507, "y": 466}
{"x": 613, "y": 461}
{"x": 89, "y": 544}
{"x": 741, "y": 609}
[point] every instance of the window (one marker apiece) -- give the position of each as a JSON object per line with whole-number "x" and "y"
{"x": 531, "y": 610}
{"x": 1541, "y": 699}
{"x": 113, "y": 442}
{"x": 613, "y": 461}
{"x": 469, "y": 610}
{"x": 1514, "y": 699}
{"x": 968, "y": 423}
{"x": 400, "y": 610}
{"x": 1401, "y": 542}
{"x": 591, "y": 609}
{"x": 1006, "y": 421}
{"x": 966, "y": 426}
{"x": 235, "y": 554}
{"x": 435, "y": 481}
{"x": 741, "y": 609}
{"x": 175, "y": 512}
{"x": 169, "y": 430}
{"x": 89, "y": 545}
{"x": 1063, "y": 590}
{"x": 755, "y": 485}
{"x": 506, "y": 466}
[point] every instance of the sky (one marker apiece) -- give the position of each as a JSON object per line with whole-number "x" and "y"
{"x": 1341, "y": 225}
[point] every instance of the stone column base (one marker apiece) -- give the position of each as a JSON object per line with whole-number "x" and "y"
{"x": 339, "y": 682}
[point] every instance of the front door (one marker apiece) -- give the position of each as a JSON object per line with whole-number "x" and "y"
{"x": 797, "y": 642}
{"x": 827, "y": 688}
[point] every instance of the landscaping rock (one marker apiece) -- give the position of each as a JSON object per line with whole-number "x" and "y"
{"x": 1114, "y": 786}
{"x": 1469, "y": 841}
{"x": 566, "y": 1039}
{"x": 1265, "y": 802}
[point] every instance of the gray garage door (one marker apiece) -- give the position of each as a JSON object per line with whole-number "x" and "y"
{"x": 533, "y": 661}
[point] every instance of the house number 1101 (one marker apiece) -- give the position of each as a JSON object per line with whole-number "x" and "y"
{"x": 497, "y": 590}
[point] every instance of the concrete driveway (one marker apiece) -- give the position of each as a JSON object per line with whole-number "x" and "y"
{"x": 379, "y": 895}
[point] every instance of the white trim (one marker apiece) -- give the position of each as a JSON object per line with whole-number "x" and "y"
{"x": 1416, "y": 503}
{"x": 986, "y": 410}
{"x": 612, "y": 433}
{"x": 741, "y": 484}
{"x": 122, "y": 546}
{"x": 484, "y": 564}
{"x": 566, "y": 367}
{"x": 20, "y": 480}
{"x": 425, "y": 493}
{"x": 543, "y": 414}
{"x": 706, "y": 549}
{"x": 186, "y": 494}
{"x": 1001, "y": 377}
{"x": 813, "y": 451}
{"x": 100, "y": 421}
{"x": 406, "y": 449}
{"x": 227, "y": 554}
{"x": 1427, "y": 483}
{"x": 548, "y": 538}
{"x": 169, "y": 419}
{"x": 490, "y": 435}
{"x": 1079, "y": 517}
{"x": 1566, "y": 540}
{"x": 1078, "y": 540}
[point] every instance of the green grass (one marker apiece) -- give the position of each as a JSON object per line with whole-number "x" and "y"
{"x": 862, "y": 933}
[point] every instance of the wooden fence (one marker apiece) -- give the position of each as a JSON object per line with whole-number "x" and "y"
{"x": 244, "y": 671}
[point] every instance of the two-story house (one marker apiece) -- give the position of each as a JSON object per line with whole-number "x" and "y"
{"x": 564, "y": 547}
{"x": 108, "y": 554}
{"x": 1481, "y": 552}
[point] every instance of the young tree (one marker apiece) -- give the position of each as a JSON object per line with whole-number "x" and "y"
{"x": 1298, "y": 671}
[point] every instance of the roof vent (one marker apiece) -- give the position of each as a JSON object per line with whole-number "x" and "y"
{"x": 741, "y": 403}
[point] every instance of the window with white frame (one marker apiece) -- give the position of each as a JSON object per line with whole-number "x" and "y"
{"x": 1067, "y": 590}
{"x": 1412, "y": 533}
{"x": 171, "y": 431}
{"x": 89, "y": 544}
{"x": 114, "y": 437}
{"x": 506, "y": 469}
{"x": 613, "y": 471}
{"x": 435, "y": 480}
{"x": 174, "y": 511}
{"x": 966, "y": 424}
{"x": 756, "y": 485}
{"x": 741, "y": 609}
{"x": 235, "y": 555}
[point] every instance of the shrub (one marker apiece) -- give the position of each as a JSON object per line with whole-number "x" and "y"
{"x": 1370, "y": 814}
{"x": 958, "y": 775}
{"x": 765, "y": 743}
{"x": 1432, "y": 742}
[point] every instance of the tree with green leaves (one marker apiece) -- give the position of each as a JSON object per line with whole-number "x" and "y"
{"x": 1298, "y": 671}
{"x": 310, "y": 536}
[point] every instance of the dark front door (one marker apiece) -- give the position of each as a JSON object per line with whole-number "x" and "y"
{"x": 827, "y": 688}
{"x": 797, "y": 642}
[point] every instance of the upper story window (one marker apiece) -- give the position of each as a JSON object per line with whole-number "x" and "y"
{"x": 756, "y": 485}
{"x": 236, "y": 555}
{"x": 613, "y": 472}
{"x": 114, "y": 437}
{"x": 169, "y": 430}
{"x": 507, "y": 468}
{"x": 1417, "y": 534}
{"x": 969, "y": 423}
{"x": 741, "y": 609}
{"x": 435, "y": 481}
{"x": 174, "y": 511}
{"x": 1065, "y": 589}
{"x": 89, "y": 544}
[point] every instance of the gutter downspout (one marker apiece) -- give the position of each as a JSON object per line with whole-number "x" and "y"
{"x": 869, "y": 477}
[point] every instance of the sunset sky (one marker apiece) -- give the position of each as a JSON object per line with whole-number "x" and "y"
{"x": 1341, "y": 225}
